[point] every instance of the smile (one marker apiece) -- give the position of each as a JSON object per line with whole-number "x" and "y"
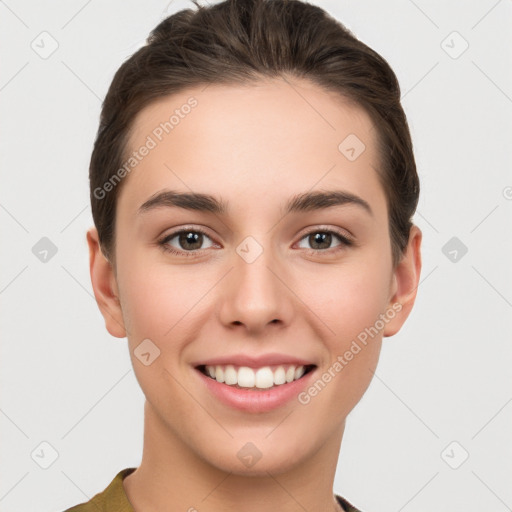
{"x": 265, "y": 377}
{"x": 255, "y": 389}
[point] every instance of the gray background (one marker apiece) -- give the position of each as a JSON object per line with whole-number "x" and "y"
{"x": 442, "y": 390}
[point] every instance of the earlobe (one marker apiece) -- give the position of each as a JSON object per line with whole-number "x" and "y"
{"x": 405, "y": 283}
{"x": 105, "y": 287}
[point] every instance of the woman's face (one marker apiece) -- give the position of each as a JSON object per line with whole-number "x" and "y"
{"x": 267, "y": 282}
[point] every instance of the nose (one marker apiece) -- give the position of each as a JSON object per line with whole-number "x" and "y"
{"x": 255, "y": 294}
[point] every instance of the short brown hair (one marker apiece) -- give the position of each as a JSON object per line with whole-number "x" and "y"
{"x": 242, "y": 41}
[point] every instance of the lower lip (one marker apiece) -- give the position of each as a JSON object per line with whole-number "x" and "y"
{"x": 254, "y": 399}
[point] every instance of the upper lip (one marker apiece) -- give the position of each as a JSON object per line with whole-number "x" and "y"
{"x": 254, "y": 361}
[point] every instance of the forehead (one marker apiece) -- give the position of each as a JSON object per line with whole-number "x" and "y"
{"x": 269, "y": 139}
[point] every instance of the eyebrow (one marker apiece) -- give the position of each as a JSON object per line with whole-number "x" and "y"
{"x": 305, "y": 202}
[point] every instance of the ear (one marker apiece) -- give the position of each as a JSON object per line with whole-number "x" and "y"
{"x": 105, "y": 286}
{"x": 405, "y": 282}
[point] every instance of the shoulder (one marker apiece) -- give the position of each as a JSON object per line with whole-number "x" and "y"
{"x": 111, "y": 499}
{"x": 347, "y": 506}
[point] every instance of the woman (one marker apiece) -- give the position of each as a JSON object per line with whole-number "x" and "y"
{"x": 252, "y": 187}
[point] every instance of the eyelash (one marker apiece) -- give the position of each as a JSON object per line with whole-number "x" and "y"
{"x": 163, "y": 243}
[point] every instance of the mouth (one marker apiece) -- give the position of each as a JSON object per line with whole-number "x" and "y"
{"x": 263, "y": 378}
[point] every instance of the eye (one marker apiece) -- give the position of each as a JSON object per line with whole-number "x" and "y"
{"x": 321, "y": 240}
{"x": 189, "y": 241}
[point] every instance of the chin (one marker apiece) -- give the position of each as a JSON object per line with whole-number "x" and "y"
{"x": 258, "y": 458}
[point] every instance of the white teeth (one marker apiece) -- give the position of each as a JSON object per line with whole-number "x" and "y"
{"x": 230, "y": 375}
{"x": 246, "y": 377}
{"x": 262, "y": 378}
{"x": 299, "y": 372}
{"x": 219, "y": 374}
{"x": 290, "y": 374}
{"x": 279, "y": 376}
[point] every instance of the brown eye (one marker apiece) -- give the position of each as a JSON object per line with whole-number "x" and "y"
{"x": 185, "y": 241}
{"x": 322, "y": 240}
{"x": 190, "y": 240}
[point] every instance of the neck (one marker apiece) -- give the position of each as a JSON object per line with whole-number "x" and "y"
{"x": 173, "y": 477}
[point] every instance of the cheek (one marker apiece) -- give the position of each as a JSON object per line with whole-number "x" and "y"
{"x": 162, "y": 304}
{"x": 155, "y": 296}
{"x": 147, "y": 306}
{"x": 350, "y": 299}
{"x": 156, "y": 306}
{"x": 351, "y": 304}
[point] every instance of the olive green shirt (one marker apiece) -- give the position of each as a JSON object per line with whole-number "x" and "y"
{"x": 114, "y": 499}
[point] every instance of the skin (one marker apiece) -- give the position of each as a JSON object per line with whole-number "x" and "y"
{"x": 254, "y": 146}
